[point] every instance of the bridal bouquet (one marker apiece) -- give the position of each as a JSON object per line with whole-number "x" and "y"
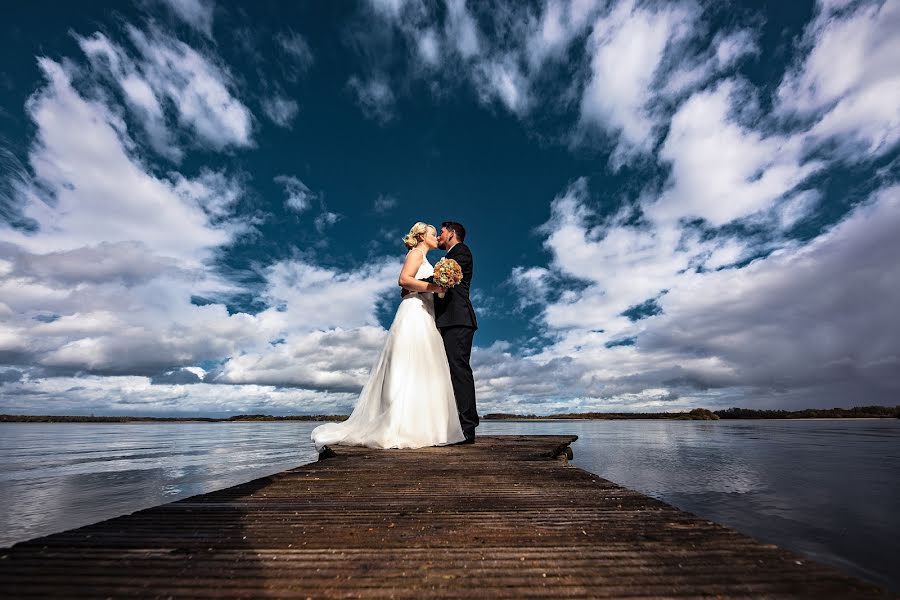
{"x": 447, "y": 273}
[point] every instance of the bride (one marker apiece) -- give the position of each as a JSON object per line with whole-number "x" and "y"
{"x": 408, "y": 401}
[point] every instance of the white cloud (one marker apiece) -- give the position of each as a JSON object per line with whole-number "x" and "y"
{"x": 722, "y": 170}
{"x": 428, "y": 46}
{"x": 132, "y": 395}
{"x": 116, "y": 281}
{"x": 297, "y": 50}
{"x": 196, "y": 13}
{"x": 849, "y": 81}
{"x": 299, "y": 195}
{"x": 109, "y": 58}
{"x": 532, "y": 283}
{"x": 125, "y": 261}
{"x": 200, "y": 92}
{"x": 114, "y": 308}
{"x": 171, "y": 78}
{"x": 326, "y": 219}
{"x": 389, "y": 8}
{"x": 449, "y": 43}
{"x": 335, "y": 361}
{"x": 732, "y": 47}
{"x": 624, "y": 264}
{"x": 462, "y": 29}
{"x": 105, "y": 285}
{"x": 215, "y": 193}
{"x": 384, "y": 203}
{"x": 105, "y": 281}
{"x": 785, "y": 330}
{"x": 627, "y": 47}
{"x": 128, "y": 312}
{"x": 320, "y": 331}
{"x": 374, "y": 96}
{"x": 508, "y": 65}
{"x": 724, "y": 53}
{"x": 728, "y": 252}
{"x": 560, "y": 22}
{"x": 141, "y": 345}
{"x": 281, "y": 110}
{"x": 796, "y": 207}
{"x": 502, "y": 78}
{"x": 75, "y": 136}
{"x": 307, "y": 297}
{"x": 321, "y": 326}
{"x": 792, "y": 322}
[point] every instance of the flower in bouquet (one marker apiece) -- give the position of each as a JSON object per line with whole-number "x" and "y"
{"x": 447, "y": 273}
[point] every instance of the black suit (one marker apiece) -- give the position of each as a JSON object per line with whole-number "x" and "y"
{"x": 455, "y": 318}
{"x": 455, "y": 309}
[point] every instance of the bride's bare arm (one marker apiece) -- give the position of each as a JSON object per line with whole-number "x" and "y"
{"x": 408, "y": 279}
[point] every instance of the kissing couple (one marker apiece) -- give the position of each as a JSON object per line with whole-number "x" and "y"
{"x": 421, "y": 391}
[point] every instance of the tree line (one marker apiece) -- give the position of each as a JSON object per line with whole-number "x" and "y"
{"x": 728, "y": 413}
{"x": 130, "y": 419}
{"x": 703, "y": 414}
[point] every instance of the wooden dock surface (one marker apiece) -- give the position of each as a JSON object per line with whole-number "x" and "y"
{"x": 503, "y": 518}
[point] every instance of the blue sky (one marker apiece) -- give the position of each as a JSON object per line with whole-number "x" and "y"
{"x": 670, "y": 204}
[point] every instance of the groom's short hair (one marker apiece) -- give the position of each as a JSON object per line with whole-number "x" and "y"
{"x": 456, "y": 228}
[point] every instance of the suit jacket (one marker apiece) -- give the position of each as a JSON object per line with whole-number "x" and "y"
{"x": 455, "y": 309}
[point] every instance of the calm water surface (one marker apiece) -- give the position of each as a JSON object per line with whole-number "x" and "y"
{"x": 828, "y": 489}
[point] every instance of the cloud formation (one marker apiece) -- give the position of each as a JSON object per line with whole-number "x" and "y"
{"x": 169, "y": 81}
{"x": 297, "y": 52}
{"x": 299, "y": 196}
{"x": 375, "y": 97}
{"x": 199, "y": 91}
{"x": 847, "y": 82}
{"x": 123, "y": 395}
{"x": 688, "y": 286}
{"x": 626, "y": 49}
{"x": 723, "y": 170}
{"x": 114, "y": 301}
{"x": 321, "y": 328}
{"x": 196, "y": 13}
{"x": 384, "y": 203}
{"x": 105, "y": 281}
{"x": 281, "y": 110}
{"x": 631, "y": 61}
{"x": 788, "y": 329}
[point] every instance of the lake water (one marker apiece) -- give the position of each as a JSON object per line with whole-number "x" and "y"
{"x": 828, "y": 489}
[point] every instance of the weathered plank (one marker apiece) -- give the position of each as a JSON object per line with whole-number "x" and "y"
{"x": 503, "y": 518}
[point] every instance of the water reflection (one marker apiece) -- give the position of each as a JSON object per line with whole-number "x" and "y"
{"x": 827, "y": 489}
{"x": 55, "y": 476}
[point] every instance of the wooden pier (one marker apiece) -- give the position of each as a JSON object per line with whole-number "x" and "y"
{"x": 503, "y": 518}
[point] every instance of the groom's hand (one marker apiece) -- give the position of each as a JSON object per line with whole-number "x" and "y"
{"x": 432, "y": 286}
{"x": 404, "y": 292}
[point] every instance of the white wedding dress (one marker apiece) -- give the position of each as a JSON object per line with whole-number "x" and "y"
{"x": 408, "y": 401}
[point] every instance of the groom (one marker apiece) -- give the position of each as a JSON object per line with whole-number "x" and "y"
{"x": 455, "y": 318}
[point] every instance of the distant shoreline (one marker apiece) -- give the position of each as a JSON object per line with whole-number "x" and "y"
{"x": 701, "y": 414}
{"x": 129, "y": 419}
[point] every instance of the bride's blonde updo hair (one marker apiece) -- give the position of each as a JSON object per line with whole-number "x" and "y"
{"x": 416, "y": 234}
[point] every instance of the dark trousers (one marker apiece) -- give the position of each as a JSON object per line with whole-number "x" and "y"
{"x": 458, "y": 344}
